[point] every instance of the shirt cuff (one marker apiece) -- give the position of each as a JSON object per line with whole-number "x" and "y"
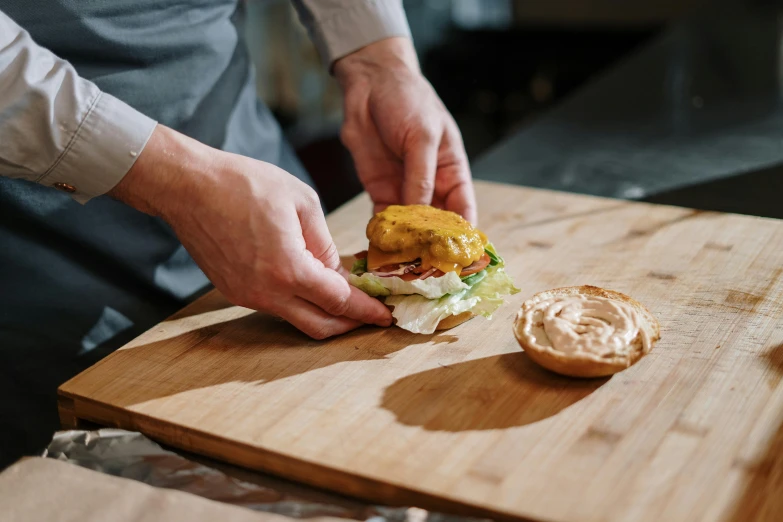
{"x": 104, "y": 148}
{"x": 357, "y": 26}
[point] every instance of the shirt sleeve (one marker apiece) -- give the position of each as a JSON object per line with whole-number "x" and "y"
{"x": 340, "y": 27}
{"x": 58, "y": 129}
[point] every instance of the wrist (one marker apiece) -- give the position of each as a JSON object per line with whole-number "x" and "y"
{"x": 163, "y": 174}
{"x": 396, "y": 53}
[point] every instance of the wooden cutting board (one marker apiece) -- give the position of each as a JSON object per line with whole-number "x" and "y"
{"x": 463, "y": 420}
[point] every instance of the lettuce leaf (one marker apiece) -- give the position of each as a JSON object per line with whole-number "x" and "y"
{"x": 418, "y": 314}
{"x": 494, "y": 258}
{"x": 430, "y": 288}
{"x": 360, "y": 266}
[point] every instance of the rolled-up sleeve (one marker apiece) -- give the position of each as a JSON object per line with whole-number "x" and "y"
{"x": 340, "y": 27}
{"x": 58, "y": 129}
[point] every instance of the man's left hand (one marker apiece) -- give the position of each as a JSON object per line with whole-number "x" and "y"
{"x": 405, "y": 144}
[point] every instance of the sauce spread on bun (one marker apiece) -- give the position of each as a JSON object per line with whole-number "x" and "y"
{"x": 587, "y": 324}
{"x": 585, "y": 331}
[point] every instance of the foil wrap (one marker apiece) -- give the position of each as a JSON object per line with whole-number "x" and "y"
{"x": 133, "y": 456}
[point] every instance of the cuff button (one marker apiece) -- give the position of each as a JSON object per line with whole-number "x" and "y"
{"x": 64, "y": 187}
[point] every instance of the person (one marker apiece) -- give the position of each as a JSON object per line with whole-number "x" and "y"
{"x": 137, "y": 166}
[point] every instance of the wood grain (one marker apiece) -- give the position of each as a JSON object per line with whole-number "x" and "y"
{"x": 462, "y": 420}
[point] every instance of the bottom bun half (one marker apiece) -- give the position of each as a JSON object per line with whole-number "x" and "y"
{"x": 450, "y": 321}
{"x": 581, "y": 364}
{"x": 455, "y": 320}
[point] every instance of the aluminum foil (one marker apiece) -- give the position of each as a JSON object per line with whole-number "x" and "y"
{"x": 133, "y": 456}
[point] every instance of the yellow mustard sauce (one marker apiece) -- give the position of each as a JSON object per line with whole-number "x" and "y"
{"x": 442, "y": 239}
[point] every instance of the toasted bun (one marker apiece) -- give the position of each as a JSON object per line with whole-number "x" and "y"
{"x": 582, "y": 364}
{"x": 455, "y": 320}
{"x": 451, "y": 321}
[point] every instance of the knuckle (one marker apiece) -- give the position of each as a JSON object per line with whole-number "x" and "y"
{"x": 337, "y": 305}
{"x": 304, "y": 276}
{"x": 330, "y": 257}
{"x": 454, "y": 137}
{"x": 348, "y": 135}
{"x": 319, "y": 332}
{"x": 255, "y": 299}
{"x": 310, "y": 193}
{"x": 284, "y": 278}
{"x": 453, "y": 129}
{"x": 311, "y": 197}
{"x": 425, "y": 133}
{"x": 423, "y": 184}
{"x": 431, "y": 134}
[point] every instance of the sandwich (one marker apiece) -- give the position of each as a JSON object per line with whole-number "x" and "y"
{"x": 431, "y": 267}
{"x": 585, "y": 331}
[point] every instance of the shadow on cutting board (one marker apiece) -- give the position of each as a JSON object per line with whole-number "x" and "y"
{"x": 495, "y": 392}
{"x": 254, "y": 348}
{"x": 490, "y": 393}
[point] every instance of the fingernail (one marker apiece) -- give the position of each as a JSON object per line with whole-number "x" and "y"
{"x": 384, "y": 322}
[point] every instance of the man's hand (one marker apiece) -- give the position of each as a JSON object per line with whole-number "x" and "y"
{"x": 406, "y": 146}
{"x": 257, "y": 232}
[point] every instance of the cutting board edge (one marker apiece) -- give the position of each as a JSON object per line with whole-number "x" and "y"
{"x": 75, "y": 410}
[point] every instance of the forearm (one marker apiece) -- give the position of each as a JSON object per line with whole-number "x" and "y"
{"x": 168, "y": 173}
{"x": 58, "y": 129}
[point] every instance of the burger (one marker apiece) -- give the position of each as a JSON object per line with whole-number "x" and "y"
{"x": 431, "y": 267}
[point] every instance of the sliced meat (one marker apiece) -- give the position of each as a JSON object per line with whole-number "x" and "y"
{"x": 419, "y": 269}
{"x": 414, "y": 270}
{"x": 432, "y": 272}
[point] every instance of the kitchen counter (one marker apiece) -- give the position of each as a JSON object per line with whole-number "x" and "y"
{"x": 694, "y": 119}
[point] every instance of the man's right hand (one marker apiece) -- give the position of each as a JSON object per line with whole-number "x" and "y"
{"x": 257, "y": 232}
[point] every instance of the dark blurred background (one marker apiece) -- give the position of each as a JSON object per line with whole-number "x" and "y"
{"x": 623, "y": 94}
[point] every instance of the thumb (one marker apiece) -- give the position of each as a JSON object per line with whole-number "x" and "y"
{"x": 420, "y": 163}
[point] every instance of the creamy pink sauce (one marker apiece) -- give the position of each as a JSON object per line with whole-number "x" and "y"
{"x": 583, "y": 324}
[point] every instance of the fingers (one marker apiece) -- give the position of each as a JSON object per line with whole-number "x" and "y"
{"x": 382, "y": 179}
{"x": 379, "y": 169}
{"x": 313, "y": 321}
{"x": 420, "y": 161}
{"x": 455, "y": 186}
{"x": 461, "y": 199}
{"x": 327, "y": 289}
{"x": 379, "y": 207}
{"x": 317, "y": 237}
{"x": 318, "y": 276}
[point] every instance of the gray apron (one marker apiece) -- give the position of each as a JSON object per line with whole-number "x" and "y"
{"x": 76, "y": 282}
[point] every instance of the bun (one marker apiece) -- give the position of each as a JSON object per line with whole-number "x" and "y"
{"x": 585, "y": 363}
{"x": 454, "y": 320}
{"x": 450, "y": 321}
